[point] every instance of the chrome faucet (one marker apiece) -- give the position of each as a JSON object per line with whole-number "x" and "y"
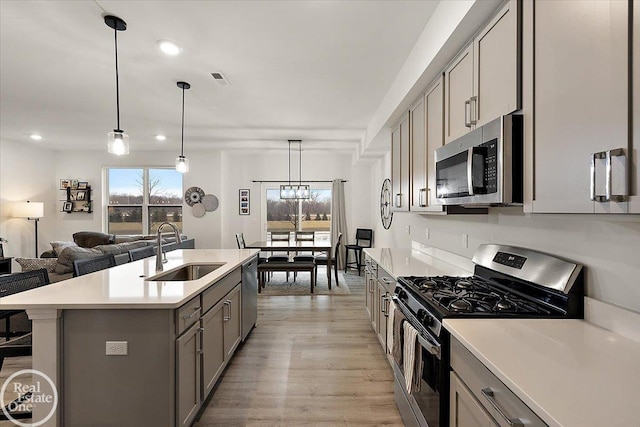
{"x": 159, "y": 259}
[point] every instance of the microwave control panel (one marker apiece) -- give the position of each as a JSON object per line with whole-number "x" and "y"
{"x": 490, "y": 166}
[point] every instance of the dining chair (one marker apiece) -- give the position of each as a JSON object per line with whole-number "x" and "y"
{"x": 240, "y": 241}
{"x": 90, "y": 265}
{"x": 364, "y": 238}
{"x": 20, "y": 345}
{"x": 141, "y": 253}
{"x": 323, "y": 259}
{"x": 304, "y": 256}
{"x": 283, "y": 256}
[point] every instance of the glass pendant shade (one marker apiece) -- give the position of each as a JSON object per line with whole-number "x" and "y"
{"x": 118, "y": 143}
{"x": 294, "y": 191}
{"x": 182, "y": 164}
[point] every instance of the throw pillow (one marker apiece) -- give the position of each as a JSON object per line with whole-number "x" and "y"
{"x": 59, "y": 246}
{"x": 30, "y": 264}
{"x": 70, "y": 254}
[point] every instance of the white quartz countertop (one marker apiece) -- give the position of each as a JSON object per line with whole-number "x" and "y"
{"x": 411, "y": 262}
{"x": 569, "y": 372}
{"x": 125, "y": 287}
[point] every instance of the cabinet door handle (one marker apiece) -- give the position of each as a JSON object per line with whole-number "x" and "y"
{"x": 594, "y": 157}
{"x": 224, "y": 316}
{"x": 473, "y": 110}
{"x": 229, "y": 304}
{"x": 488, "y": 394}
{"x": 422, "y": 197}
{"x": 382, "y": 304}
{"x": 201, "y": 349}
{"x": 618, "y": 152}
{"x": 399, "y": 200}
{"x": 189, "y": 316}
{"x": 467, "y": 121}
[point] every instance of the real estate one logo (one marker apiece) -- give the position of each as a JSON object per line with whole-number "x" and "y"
{"x": 25, "y": 390}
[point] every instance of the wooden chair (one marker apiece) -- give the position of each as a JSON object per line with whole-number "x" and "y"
{"x": 141, "y": 253}
{"x": 21, "y": 345}
{"x": 323, "y": 259}
{"x": 307, "y": 256}
{"x": 90, "y": 265}
{"x": 364, "y": 238}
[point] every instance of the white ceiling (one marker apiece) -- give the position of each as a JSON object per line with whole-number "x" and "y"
{"x": 310, "y": 70}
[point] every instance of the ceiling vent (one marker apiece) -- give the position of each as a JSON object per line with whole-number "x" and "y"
{"x": 220, "y": 79}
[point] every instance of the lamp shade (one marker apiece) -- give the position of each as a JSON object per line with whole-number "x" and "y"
{"x": 28, "y": 210}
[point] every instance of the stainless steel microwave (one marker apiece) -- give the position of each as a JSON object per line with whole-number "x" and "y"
{"x": 483, "y": 167}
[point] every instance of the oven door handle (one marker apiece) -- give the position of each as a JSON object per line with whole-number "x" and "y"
{"x": 430, "y": 347}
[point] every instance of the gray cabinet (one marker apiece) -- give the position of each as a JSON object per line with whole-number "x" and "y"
{"x": 479, "y": 398}
{"x": 400, "y": 165}
{"x": 188, "y": 379}
{"x": 232, "y": 322}
{"x": 370, "y": 277}
{"x": 578, "y": 109}
{"x": 464, "y": 408}
{"x": 483, "y": 81}
{"x": 418, "y": 156}
{"x": 384, "y": 291}
{"x": 213, "y": 351}
{"x": 434, "y": 106}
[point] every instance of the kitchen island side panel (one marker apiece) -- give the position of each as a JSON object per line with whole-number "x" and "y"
{"x": 133, "y": 390}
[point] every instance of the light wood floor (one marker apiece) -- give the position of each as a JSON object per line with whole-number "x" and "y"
{"x": 312, "y": 360}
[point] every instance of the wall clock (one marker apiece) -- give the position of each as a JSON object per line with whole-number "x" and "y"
{"x": 385, "y": 204}
{"x": 193, "y": 195}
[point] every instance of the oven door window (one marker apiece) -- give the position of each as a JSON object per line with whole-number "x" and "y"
{"x": 428, "y": 398}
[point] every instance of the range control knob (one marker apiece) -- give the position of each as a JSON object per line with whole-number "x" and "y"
{"x": 402, "y": 294}
{"x": 425, "y": 318}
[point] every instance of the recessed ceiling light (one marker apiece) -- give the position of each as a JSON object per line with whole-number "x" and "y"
{"x": 161, "y": 137}
{"x": 169, "y": 47}
{"x": 36, "y": 137}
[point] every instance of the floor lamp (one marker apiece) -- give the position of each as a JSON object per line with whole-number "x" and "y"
{"x": 31, "y": 211}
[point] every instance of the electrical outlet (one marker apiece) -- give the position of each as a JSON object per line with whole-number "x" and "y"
{"x": 407, "y": 229}
{"x": 117, "y": 348}
{"x": 426, "y": 234}
{"x": 465, "y": 240}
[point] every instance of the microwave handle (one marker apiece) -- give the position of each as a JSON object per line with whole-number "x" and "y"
{"x": 470, "y": 171}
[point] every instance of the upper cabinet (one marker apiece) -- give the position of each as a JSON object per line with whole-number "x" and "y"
{"x": 427, "y": 134}
{"x": 578, "y": 121}
{"x": 483, "y": 81}
{"x": 634, "y": 200}
{"x": 400, "y": 165}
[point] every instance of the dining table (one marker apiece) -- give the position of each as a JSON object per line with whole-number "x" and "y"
{"x": 296, "y": 246}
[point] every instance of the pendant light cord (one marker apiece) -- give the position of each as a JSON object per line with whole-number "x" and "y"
{"x": 289, "y": 162}
{"x": 182, "y": 137}
{"x": 300, "y": 163}
{"x": 115, "y": 31}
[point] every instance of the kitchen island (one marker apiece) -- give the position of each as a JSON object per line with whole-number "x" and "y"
{"x": 169, "y": 339}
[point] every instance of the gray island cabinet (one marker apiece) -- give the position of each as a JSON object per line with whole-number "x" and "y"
{"x": 179, "y": 335}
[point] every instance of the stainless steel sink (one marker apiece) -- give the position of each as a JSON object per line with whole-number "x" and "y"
{"x": 186, "y": 272}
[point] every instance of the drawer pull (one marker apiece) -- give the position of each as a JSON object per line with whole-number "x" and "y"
{"x": 488, "y": 394}
{"x": 195, "y": 311}
{"x": 387, "y": 280}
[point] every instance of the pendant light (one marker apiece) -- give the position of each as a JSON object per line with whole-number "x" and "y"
{"x": 182, "y": 163}
{"x": 292, "y": 191}
{"x": 117, "y": 141}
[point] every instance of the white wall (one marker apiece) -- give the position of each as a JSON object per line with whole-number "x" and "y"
{"x": 88, "y": 166}
{"x": 26, "y": 173}
{"x": 608, "y": 246}
{"x": 240, "y": 168}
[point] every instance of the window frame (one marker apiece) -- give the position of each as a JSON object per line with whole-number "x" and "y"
{"x": 145, "y": 205}
{"x": 276, "y": 186}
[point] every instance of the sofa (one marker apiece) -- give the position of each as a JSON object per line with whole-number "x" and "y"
{"x": 87, "y": 244}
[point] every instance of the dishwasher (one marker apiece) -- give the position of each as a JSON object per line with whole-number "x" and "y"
{"x": 249, "y": 296}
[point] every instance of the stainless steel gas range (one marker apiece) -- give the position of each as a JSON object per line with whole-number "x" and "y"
{"x": 508, "y": 282}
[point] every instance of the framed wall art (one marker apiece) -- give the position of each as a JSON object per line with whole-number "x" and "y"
{"x": 244, "y": 203}
{"x": 81, "y": 195}
{"x": 67, "y": 206}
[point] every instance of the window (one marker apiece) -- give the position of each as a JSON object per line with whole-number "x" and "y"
{"x": 313, "y": 214}
{"x": 140, "y": 199}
